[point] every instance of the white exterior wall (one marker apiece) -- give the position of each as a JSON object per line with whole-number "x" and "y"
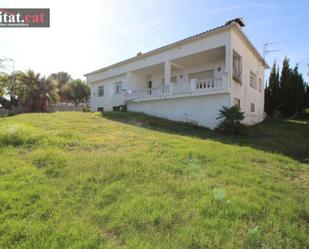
{"x": 109, "y": 99}
{"x": 244, "y": 91}
{"x": 217, "y": 40}
{"x": 199, "y": 110}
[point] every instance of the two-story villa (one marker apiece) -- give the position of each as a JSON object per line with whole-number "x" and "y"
{"x": 188, "y": 80}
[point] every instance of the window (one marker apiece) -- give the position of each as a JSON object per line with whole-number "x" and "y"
{"x": 173, "y": 79}
{"x": 118, "y": 87}
{"x": 253, "y": 80}
{"x": 252, "y": 107}
{"x": 100, "y": 91}
{"x": 237, "y": 102}
{"x": 237, "y": 67}
{"x": 260, "y": 85}
{"x": 210, "y": 74}
{"x": 100, "y": 109}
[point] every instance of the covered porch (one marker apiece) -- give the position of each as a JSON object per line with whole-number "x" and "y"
{"x": 197, "y": 74}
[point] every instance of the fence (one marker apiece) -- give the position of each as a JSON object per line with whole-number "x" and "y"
{"x": 61, "y": 107}
{"x": 3, "y": 113}
{"x": 68, "y": 107}
{"x": 14, "y": 110}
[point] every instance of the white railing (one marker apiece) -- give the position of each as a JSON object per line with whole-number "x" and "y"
{"x": 202, "y": 85}
{"x": 149, "y": 93}
{"x": 195, "y": 86}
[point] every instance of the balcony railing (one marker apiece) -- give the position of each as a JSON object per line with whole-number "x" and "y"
{"x": 194, "y": 87}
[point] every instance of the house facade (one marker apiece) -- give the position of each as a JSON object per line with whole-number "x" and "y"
{"x": 189, "y": 80}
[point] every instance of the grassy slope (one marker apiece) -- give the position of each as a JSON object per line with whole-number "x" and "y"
{"x": 79, "y": 180}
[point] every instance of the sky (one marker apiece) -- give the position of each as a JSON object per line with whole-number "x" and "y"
{"x": 88, "y": 35}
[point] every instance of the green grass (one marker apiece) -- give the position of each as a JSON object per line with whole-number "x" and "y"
{"x": 121, "y": 180}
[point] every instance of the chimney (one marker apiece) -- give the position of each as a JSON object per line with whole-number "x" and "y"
{"x": 239, "y": 21}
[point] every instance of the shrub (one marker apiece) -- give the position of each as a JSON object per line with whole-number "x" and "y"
{"x": 85, "y": 109}
{"x": 232, "y": 117}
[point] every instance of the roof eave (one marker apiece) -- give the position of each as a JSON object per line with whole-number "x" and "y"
{"x": 164, "y": 48}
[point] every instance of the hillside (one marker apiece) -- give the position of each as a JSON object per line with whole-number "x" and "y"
{"x": 83, "y": 180}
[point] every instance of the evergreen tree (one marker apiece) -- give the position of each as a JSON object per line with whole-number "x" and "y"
{"x": 286, "y": 98}
{"x": 289, "y": 95}
{"x": 307, "y": 96}
{"x": 272, "y": 91}
{"x": 298, "y": 91}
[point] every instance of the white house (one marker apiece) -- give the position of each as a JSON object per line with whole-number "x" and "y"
{"x": 188, "y": 80}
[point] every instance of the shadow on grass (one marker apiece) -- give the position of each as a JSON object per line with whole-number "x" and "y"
{"x": 287, "y": 137}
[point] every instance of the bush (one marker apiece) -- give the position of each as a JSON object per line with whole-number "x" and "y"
{"x": 85, "y": 109}
{"x": 120, "y": 108}
{"x": 232, "y": 117}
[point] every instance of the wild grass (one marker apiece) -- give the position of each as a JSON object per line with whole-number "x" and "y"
{"x": 121, "y": 180}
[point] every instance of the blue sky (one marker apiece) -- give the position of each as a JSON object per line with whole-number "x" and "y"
{"x": 85, "y": 36}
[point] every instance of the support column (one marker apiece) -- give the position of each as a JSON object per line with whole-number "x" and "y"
{"x": 167, "y": 73}
{"x": 128, "y": 84}
{"x": 228, "y": 63}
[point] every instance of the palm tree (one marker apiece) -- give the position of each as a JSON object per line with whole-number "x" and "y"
{"x": 48, "y": 93}
{"x": 77, "y": 91}
{"x": 36, "y": 91}
{"x": 27, "y": 87}
{"x": 62, "y": 78}
{"x": 232, "y": 117}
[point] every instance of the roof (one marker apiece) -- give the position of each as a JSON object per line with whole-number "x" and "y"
{"x": 238, "y": 21}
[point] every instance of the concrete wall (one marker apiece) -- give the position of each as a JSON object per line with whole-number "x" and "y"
{"x": 109, "y": 99}
{"x": 201, "y": 110}
{"x": 244, "y": 91}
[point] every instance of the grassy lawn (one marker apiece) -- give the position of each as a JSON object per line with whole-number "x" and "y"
{"x": 83, "y": 180}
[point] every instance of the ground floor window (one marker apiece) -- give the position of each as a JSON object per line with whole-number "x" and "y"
{"x": 100, "y": 109}
{"x": 100, "y": 91}
{"x": 118, "y": 87}
{"x": 252, "y": 107}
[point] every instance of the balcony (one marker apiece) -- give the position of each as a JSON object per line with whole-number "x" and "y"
{"x": 194, "y": 88}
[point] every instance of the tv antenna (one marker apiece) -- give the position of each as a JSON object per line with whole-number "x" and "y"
{"x": 268, "y": 50}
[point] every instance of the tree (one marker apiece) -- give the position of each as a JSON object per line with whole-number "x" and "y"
{"x": 36, "y": 91}
{"x": 62, "y": 79}
{"x": 286, "y": 97}
{"x": 272, "y": 91}
{"x": 287, "y": 93}
{"x": 298, "y": 91}
{"x": 77, "y": 91}
{"x": 3, "y": 83}
{"x": 307, "y": 97}
{"x": 27, "y": 87}
{"x": 232, "y": 117}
